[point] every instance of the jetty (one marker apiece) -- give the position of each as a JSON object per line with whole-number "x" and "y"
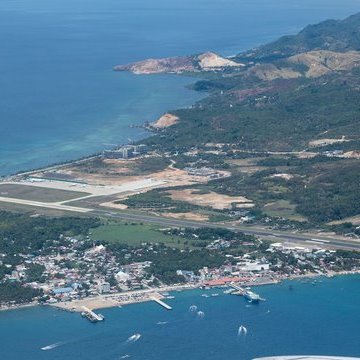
{"x": 249, "y": 295}
{"x": 240, "y": 290}
{"x": 161, "y": 303}
{"x": 91, "y": 316}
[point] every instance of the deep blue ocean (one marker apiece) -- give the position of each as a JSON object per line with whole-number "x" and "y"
{"x": 322, "y": 319}
{"x": 60, "y": 99}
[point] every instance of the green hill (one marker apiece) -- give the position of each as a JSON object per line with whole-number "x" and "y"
{"x": 334, "y": 35}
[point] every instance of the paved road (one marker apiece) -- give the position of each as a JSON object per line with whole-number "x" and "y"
{"x": 269, "y": 234}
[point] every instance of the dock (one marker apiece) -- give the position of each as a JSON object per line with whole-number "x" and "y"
{"x": 249, "y": 295}
{"x": 161, "y": 303}
{"x": 241, "y": 291}
{"x": 90, "y": 315}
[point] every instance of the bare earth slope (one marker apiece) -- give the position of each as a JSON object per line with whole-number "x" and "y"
{"x": 321, "y": 62}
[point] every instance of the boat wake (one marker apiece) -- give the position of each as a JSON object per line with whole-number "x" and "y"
{"x": 125, "y": 356}
{"x": 52, "y": 346}
{"x": 193, "y": 308}
{"x": 162, "y": 322}
{"x": 242, "y": 330}
{"x": 133, "y": 338}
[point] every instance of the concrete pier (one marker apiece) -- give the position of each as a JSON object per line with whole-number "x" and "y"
{"x": 240, "y": 290}
{"x": 91, "y": 315}
{"x": 166, "y": 306}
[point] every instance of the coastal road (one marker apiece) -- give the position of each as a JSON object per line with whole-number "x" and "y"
{"x": 334, "y": 242}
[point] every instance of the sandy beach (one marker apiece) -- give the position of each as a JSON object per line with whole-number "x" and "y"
{"x": 119, "y": 299}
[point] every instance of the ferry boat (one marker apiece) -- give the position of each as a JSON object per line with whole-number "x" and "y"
{"x": 252, "y": 297}
{"x": 229, "y": 291}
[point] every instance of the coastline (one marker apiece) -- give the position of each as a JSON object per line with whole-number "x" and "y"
{"x": 145, "y": 295}
{"x": 157, "y": 291}
{"x": 120, "y": 299}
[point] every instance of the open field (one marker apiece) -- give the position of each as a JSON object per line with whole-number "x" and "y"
{"x": 247, "y": 166}
{"x": 282, "y": 208}
{"x": 135, "y": 235}
{"x": 37, "y": 193}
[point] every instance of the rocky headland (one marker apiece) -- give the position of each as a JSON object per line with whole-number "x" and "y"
{"x": 208, "y": 61}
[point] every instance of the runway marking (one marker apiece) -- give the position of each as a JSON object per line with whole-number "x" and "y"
{"x": 320, "y": 241}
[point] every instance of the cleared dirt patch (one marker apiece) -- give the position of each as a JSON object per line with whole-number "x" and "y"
{"x": 113, "y": 205}
{"x": 211, "y": 199}
{"x": 187, "y": 216}
{"x": 282, "y": 176}
{"x": 325, "y": 142}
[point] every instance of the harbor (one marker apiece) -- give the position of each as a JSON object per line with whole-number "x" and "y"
{"x": 246, "y": 293}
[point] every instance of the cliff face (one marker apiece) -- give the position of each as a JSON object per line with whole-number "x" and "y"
{"x": 205, "y": 62}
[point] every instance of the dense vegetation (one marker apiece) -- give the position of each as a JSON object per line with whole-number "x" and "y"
{"x": 325, "y": 196}
{"x": 14, "y": 291}
{"x": 335, "y": 35}
{"x": 285, "y": 120}
{"x": 21, "y": 233}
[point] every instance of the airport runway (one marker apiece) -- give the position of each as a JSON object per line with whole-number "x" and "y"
{"x": 86, "y": 206}
{"x": 267, "y": 234}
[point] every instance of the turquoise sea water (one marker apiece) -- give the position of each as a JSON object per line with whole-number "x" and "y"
{"x": 60, "y": 99}
{"x": 322, "y": 319}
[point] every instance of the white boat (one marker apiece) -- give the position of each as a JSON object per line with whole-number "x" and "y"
{"x": 252, "y": 297}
